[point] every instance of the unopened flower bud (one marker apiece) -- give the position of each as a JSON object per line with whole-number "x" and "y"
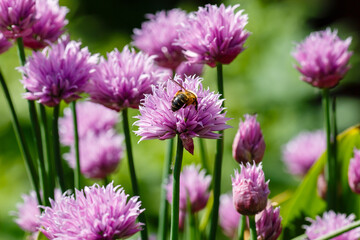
{"x": 250, "y": 191}
{"x": 268, "y": 223}
{"x": 249, "y": 143}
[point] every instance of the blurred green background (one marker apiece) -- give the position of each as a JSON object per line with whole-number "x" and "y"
{"x": 261, "y": 80}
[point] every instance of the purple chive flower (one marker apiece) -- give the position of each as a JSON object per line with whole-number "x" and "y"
{"x": 49, "y": 25}
{"x": 250, "y": 191}
{"x": 157, "y": 37}
{"x": 59, "y": 72}
{"x": 91, "y": 117}
{"x": 100, "y": 154}
{"x": 329, "y": 222}
{"x": 194, "y": 187}
{"x": 228, "y": 216}
{"x": 28, "y": 212}
{"x": 249, "y": 142}
{"x": 17, "y": 17}
{"x": 268, "y": 223}
{"x": 214, "y": 35}
{"x": 95, "y": 213}
{"x": 157, "y": 120}
{"x": 189, "y": 69}
{"x": 354, "y": 172}
{"x": 323, "y": 58}
{"x": 5, "y": 44}
{"x": 300, "y": 153}
{"x": 122, "y": 80}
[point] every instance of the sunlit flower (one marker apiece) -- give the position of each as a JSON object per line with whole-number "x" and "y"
{"x": 58, "y": 72}
{"x": 194, "y": 187}
{"x": 323, "y": 58}
{"x": 268, "y": 223}
{"x": 250, "y": 191}
{"x": 91, "y": 117}
{"x": 49, "y": 25}
{"x": 100, "y": 154}
{"x": 214, "y": 35}
{"x": 158, "y": 121}
{"x": 5, "y": 44}
{"x": 249, "y": 144}
{"x": 94, "y": 213}
{"x": 157, "y": 36}
{"x": 122, "y": 80}
{"x": 17, "y": 17}
{"x": 300, "y": 153}
{"x": 228, "y": 216}
{"x": 354, "y": 172}
{"x": 329, "y": 222}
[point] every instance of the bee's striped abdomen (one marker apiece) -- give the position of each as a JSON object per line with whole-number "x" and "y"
{"x": 178, "y": 102}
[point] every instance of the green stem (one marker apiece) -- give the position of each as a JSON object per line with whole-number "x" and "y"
{"x": 242, "y": 226}
{"x": 46, "y": 141}
{"x": 174, "y": 232}
{"x": 252, "y": 224}
{"x": 163, "y": 211}
{"x": 77, "y": 174}
{"x": 36, "y": 129}
{"x": 30, "y": 168}
{"x": 136, "y": 192}
{"x": 217, "y": 163}
{"x": 203, "y": 154}
{"x": 334, "y": 143}
{"x": 56, "y": 147}
{"x": 330, "y": 169}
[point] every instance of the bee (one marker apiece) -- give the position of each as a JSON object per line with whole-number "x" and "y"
{"x": 183, "y": 98}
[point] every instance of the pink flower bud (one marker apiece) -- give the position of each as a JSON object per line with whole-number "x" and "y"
{"x": 249, "y": 143}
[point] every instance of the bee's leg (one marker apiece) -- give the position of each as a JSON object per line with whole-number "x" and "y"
{"x": 196, "y": 104}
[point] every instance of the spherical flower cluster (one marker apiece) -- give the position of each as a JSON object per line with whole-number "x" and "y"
{"x": 28, "y": 212}
{"x": 5, "y": 44}
{"x": 249, "y": 144}
{"x": 100, "y": 154}
{"x": 95, "y": 213}
{"x": 323, "y": 58}
{"x": 354, "y": 172}
{"x": 300, "y": 153}
{"x": 194, "y": 187}
{"x": 250, "y": 191}
{"x": 122, "y": 80}
{"x": 157, "y": 37}
{"x": 58, "y": 72}
{"x": 91, "y": 117}
{"x": 158, "y": 121}
{"x": 214, "y": 35}
{"x": 268, "y": 223}
{"x": 49, "y": 24}
{"x": 17, "y": 17}
{"x": 228, "y": 216}
{"x": 329, "y": 222}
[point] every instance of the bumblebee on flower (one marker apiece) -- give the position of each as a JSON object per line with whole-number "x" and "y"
{"x": 157, "y": 120}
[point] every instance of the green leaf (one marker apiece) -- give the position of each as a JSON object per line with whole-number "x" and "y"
{"x": 305, "y": 202}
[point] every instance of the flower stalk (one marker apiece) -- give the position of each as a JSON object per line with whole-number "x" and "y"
{"x": 30, "y": 168}
{"x": 218, "y": 162}
{"x": 56, "y": 147}
{"x": 134, "y": 183}
{"x": 330, "y": 169}
{"x": 242, "y": 226}
{"x": 176, "y": 193}
{"x": 77, "y": 174}
{"x": 162, "y": 232}
{"x": 252, "y": 223}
